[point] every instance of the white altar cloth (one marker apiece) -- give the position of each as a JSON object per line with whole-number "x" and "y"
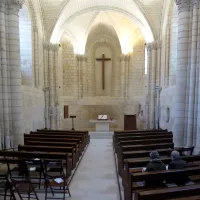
{"x": 102, "y": 125}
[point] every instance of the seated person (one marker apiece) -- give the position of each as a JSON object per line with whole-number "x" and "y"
{"x": 155, "y": 165}
{"x": 178, "y": 163}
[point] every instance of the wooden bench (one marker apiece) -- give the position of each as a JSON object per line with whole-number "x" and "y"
{"x": 84, "y": 136}
{"x": 35, "y": 137}
{"x": 67, "y": 132}
{"x": 191, "y": 192}
{"x": 69, "y": 150}
{"x": 147, "y": 147}
{"x": 58, "y": 144}
{"x": 130, "y": 164}
{"x": 131, "y": 186}
{"x": 122, "y": 156}
{"x": 145, "y": 141}
{"x": 139, "y": 135}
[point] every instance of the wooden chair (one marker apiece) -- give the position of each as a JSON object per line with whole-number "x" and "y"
{"x": 22, "y": 184}
{"x": 55, "y": 178}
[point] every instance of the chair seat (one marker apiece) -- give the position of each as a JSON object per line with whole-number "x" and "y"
{"x": 55, "y": 184}
{"x": 24, "y": 187}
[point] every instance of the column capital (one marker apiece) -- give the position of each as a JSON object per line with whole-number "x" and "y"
{"x": 148, "y": 46}
{"x": 80, "y": 57}
{"x": 195, "y": 3}
{"x": 183, "y": 5}
{"x": 125, "y": 57}
{"x": 17, "y": 3}
{"x": 51, "y": 47}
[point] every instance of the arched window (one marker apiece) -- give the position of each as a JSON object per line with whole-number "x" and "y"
{"x": 25, "y": 31}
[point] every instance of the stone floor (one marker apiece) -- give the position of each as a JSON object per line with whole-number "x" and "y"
{"x": 95, "y": 178}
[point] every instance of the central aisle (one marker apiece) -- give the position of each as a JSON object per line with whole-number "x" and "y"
{"x": 96, "y": 178}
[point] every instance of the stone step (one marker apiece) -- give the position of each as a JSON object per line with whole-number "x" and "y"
{"x": 101, "y": 135}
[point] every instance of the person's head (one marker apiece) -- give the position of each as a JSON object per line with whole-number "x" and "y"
{"x": 154, "y": 155}
{"x": 175, "y": 155}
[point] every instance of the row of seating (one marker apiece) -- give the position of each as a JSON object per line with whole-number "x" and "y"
{"x": 132, "y": 150}
{"x": 46, "y": 148}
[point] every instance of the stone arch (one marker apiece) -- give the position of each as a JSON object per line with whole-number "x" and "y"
{"x": 107, "y": 37}
{"x": 58, "y": 31}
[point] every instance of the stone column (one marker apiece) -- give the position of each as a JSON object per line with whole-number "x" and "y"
{"x": 56, "y": 89}
{"x": 46, "y": 86}
{"x": 127, "y": 60}
{"x": 152, "y": 83}
{"x": 167, "y": 55}
{"x": 124, "y": 75}
{"x": 149, "y": 60}
{"x": 158, "y": 69}
{"x": 51, "y": 84}
{"x": 181, "y": 71}
{"x": 11, "y": 61}
{"x": 76, "y": 77}
{"x": 122, "y": 59}
{"x": 36, "y": 57}
{"x": 83, "y": 74}
{"x": 197, "y": 99}
{"x": 192, "y": 85}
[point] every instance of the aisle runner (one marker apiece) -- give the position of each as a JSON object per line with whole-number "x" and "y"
{"x": 95, "y": 178}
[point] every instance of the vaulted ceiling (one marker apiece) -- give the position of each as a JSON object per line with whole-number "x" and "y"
{"x": 77, "y": 17}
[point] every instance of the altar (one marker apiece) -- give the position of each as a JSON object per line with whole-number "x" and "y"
{"x": 102, "y": 125}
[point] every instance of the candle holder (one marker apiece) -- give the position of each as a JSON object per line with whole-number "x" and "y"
{"x": 72, "y": 117}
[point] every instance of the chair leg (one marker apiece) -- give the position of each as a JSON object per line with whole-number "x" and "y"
{"x": 68, "y": 190}
{"x": 40, "y": 179}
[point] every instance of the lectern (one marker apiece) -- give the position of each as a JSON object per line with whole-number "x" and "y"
{"x": 72, "y": 117}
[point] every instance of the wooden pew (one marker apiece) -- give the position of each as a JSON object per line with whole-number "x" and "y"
{"x": 67, "y": 132}
{"x": 84, "y": 135}
{"x": 191, "y": 192}
{"x": 122, "y": 156}
{"x": 140, "y": 136}
{"x": 69, "y": 150}
{"x": 58, "y": 144}
{"x": 57, "y": 138}
{"x": 146, "y": 176}
{"x": 130, "y": 164}
{"x": 67, "y": 140}
{"x": 146, "y": 141}
{"x": 147, "y": 147}
{"x": 40, "y": 155}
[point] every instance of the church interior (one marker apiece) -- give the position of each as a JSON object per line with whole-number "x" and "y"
{"x": 99, "y": 85}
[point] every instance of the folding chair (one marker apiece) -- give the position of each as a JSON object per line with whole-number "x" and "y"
{"x": 35, "y": 167}
{"x": 55, "y": 178}
{"x": 22, "y": 184}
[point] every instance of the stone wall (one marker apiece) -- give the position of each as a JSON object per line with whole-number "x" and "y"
{"x": 88, "y": 104}
{"x": 33, "y": 109}
{"x": 68, "y": 62}
{"x": 168, "y": 70}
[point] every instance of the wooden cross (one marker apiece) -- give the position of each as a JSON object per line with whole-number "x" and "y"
{"x": 103, "y": 59}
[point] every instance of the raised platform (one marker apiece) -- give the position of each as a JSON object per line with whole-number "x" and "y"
{"x": 101, "y": 135}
